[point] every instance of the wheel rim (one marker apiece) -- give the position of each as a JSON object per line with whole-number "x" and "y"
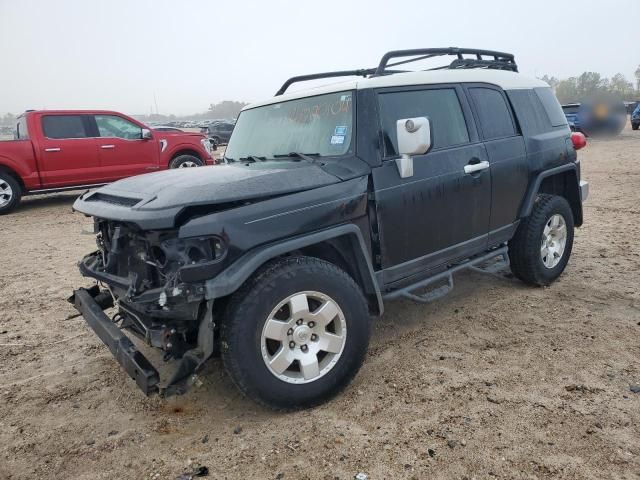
{"x": 6, "y": 193}
{"x": 554, "y": 241}
{"x": 304, "y": 337}
{"x": 188, "y": 164}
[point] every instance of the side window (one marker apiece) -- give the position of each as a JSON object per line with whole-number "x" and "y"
{"x": 21, "y": 129}
{"x": 114, "y": 126}
{"x": 63, "y": 126}
{"x": 493, "y": 112}
{"x": 551, "y": 106}
{"x": 442, "y": 106}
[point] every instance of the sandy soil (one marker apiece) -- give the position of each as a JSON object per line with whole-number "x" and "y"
{"x": 496, "y": 380}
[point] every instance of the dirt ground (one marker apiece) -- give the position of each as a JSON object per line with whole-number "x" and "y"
{"x": 496, "y": 380}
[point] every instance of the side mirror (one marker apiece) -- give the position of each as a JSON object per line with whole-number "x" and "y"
{"x": 414, "y": 138}
{"x": 146, "y": 134}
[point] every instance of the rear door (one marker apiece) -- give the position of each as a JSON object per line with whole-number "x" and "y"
{"x": 68, "y": 153}
{"x": 440, "y": 213}
{"x": 122, "y": 150}
{"x": 507, "y": 157}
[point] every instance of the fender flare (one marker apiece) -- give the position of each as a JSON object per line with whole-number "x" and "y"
{"x": 230, "y": 279}
{"x": 173, "y": 150}
{"x": 530, "y": 198}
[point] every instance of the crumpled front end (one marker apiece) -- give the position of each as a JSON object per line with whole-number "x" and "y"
{"x": 151, "y": 280}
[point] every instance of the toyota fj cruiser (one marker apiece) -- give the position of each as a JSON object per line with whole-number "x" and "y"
{"x": 332, "y": 201}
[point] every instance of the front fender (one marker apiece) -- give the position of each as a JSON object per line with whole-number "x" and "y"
{"x": 230, "y": 279}
{"x": 174, "y": 148}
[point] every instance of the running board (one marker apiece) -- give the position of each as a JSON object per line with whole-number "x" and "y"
{"x": 439, "y": 292}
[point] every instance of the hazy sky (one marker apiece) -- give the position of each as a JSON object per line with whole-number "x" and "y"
{"x": 117, "y": 54}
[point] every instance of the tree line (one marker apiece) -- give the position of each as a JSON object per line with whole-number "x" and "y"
{"x": 592, "y": 84}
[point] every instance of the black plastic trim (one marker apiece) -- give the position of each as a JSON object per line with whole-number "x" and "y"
{"x": 128, "y": 356}
{"x": 529, "y": 200}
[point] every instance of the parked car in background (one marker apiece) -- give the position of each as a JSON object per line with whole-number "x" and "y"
{"x": 635, "y": 117}
{"x": 221, "y": 132}
{"x": 166, "y": 128}
{"x": 571, "y": 113}
{"x": 57, "y": 150}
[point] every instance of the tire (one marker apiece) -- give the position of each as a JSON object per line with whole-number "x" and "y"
{"x": 635, "y": 126}
{"x": 10, "y": 193}
{"x": 527, "y": 248}
{"x": 186, "y": 161}
{"x": 246, "y": 350}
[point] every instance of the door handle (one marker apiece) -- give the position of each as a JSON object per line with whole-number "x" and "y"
{"x": 56, "y": 149}
{"x": 107, "y": 146}
{"x": 476, "y": 167}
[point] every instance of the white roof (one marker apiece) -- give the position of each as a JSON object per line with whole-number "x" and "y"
{"x": 505, "y": 79}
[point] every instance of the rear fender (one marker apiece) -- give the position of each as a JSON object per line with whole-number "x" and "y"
{"x": 563, "y": 181}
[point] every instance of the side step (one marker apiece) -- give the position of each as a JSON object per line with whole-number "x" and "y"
{"x": 439, "y": 292}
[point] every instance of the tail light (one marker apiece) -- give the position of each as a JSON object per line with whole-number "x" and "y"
{"x": 579, "y": 140}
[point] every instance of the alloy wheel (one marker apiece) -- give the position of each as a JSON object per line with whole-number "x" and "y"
{"x": 303, "y": 337}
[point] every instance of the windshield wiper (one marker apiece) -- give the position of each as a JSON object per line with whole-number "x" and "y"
{"x": 252, "y": 158}
{"x": 305, "y": 156}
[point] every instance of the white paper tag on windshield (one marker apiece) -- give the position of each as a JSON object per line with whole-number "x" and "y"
{"x": 337, "y": 139}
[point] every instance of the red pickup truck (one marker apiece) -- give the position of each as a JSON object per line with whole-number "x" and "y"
{"x": 57, "y": 150}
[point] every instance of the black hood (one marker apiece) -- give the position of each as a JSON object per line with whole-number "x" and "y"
{"x": 169, "y": 191}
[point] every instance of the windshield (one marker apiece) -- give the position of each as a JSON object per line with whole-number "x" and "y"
{"x": 320, "y": 125}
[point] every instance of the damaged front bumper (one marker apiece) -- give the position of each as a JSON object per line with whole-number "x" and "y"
{"x": 126, "y": 353}
{"x": 91, "y": 304}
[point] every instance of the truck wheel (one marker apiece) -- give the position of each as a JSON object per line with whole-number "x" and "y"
{"x": 541, "y": 247}
{"x": 186, "y": 161}
{"x": 635, "y": 126}
{"x": 10, "y": 193}
{"x": 296, "y": 333}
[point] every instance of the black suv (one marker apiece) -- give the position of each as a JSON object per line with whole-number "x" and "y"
{"x": 332, "y": 201}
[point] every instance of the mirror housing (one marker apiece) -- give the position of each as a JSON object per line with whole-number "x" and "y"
{"x": 414, "y": 138}
{"x": 146, "y": 134}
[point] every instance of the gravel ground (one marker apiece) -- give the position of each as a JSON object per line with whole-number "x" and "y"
{"x": 496, "y": 380}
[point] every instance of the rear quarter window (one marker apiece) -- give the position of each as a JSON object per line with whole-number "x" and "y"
{"x": 551, "y": 106}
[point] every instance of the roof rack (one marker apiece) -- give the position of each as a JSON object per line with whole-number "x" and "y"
{"x": 496, "y": 60}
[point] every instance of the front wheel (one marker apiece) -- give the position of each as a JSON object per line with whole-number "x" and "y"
{"x": 10, "y": 193}
{"x": 186, "y": 161}
{"x": 541, "y": 247}
{"x": 296, "y": 333}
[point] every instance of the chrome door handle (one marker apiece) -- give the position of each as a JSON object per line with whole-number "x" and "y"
{"x": 107, "y": 146}
{"x": 56, "y": 149}
{"x": 476, "y": 167}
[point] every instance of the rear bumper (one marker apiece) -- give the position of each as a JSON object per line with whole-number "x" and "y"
{"x": 584, "y": 190}
{"x": 123, "y": 349}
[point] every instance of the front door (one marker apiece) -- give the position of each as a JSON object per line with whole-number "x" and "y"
{"x": 68, "y": 153}
{"x": 123, "y": 151}
{"x": 441, "y": 213}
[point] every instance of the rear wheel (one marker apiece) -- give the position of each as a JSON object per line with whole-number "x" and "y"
{"x": 186, "y": 161}
{"x": 10, "y": 193}
{"x": 296, "y": 333}
{"x": 541, "y": 247}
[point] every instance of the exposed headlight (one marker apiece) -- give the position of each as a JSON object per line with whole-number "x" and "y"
{"x": 188, "y": 251}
